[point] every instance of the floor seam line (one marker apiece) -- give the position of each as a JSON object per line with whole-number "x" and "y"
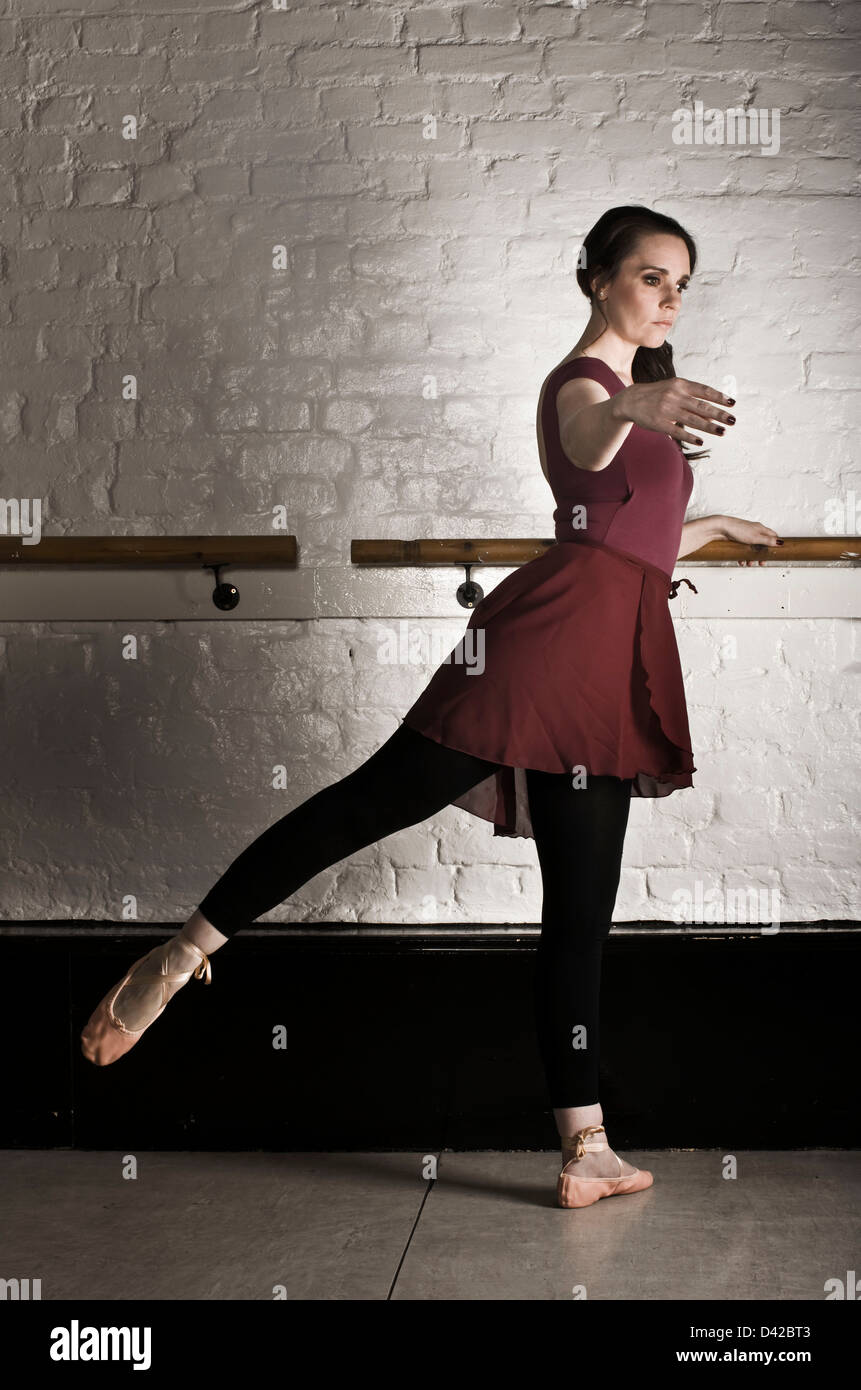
{"x": 430, "y": 1184}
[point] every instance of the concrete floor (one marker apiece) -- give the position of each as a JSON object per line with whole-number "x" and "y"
{"x": 369, "y": 1226}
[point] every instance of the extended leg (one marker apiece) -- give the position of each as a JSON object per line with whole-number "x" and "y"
{"x": 407, "y": 779}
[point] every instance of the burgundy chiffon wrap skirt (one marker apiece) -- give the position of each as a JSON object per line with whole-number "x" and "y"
{"x": 569, "y": 665}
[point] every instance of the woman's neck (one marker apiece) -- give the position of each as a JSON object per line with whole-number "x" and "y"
{"x": 594, "y": 342}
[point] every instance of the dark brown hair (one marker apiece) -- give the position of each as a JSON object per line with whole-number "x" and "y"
{"x": 615, "y": 236}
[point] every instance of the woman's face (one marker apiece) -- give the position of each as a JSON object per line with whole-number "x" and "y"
{"x": 644, "y": 300}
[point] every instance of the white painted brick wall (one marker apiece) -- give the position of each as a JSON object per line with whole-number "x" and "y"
{"x": 450, "y": 258}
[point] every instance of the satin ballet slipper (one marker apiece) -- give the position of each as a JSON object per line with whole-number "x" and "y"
{"x": 574, "y": 1191}
{"x": 105, "y": 1038}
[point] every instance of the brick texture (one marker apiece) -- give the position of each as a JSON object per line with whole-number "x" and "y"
{"x": 429, "y": 171}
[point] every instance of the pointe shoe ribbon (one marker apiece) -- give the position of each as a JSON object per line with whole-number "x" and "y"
{"x": 199, "y": 971}
{"x": 106, "y": 1038}
{"x": 580, "y": 1142}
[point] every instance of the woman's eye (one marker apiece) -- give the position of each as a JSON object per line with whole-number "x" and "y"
{"x": 656, "y": 278}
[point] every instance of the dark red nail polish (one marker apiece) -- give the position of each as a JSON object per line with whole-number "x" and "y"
{"x": 731, "y": 419}
{"x": 729, "y": 402}
{"x": 721, "y": 430}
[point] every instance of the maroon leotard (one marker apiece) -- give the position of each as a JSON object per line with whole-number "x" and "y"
{"x": 637, "y": 503}
{"x": 581, "y": 669}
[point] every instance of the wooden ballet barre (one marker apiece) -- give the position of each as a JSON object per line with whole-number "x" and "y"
{"x": 150, "y": 550}
{"x": 520, "y": 551}
{"x": 282, "y": 550}
{"x": 821, "y": 548}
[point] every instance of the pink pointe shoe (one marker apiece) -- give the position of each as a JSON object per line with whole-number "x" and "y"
{"x": 573, "y": 1191}
{"x": 105, "y": 1037}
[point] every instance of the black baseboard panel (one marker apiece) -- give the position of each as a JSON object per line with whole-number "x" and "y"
{"x": 423, "y": 1039}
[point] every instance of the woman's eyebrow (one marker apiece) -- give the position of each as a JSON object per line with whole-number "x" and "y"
{"x": 664, "y": 271}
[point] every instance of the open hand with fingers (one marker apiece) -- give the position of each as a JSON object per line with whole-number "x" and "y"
{"x": 670, "y": 405}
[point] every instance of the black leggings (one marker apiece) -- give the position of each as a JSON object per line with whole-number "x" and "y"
{"x": 579, "y": 835}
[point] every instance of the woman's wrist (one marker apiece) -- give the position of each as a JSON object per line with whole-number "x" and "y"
{"x": 700, "y": 531}
{"x": 617, "y": 406}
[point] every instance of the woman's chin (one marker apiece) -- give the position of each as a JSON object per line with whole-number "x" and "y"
{"x": 655, "y": 339}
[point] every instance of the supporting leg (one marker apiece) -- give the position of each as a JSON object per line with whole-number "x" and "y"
{"x": 579, "y": 835}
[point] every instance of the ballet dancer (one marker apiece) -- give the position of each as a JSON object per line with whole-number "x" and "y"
{"x": 579, "y": 706}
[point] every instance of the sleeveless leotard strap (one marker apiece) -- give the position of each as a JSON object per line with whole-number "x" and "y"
{"x": 556, "y": 460}
{"x": 594, "y": 368}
